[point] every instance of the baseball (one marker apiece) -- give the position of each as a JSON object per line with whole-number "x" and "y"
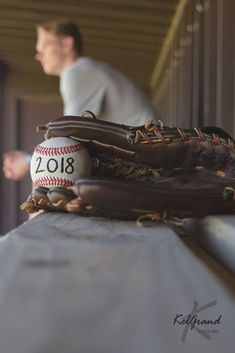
{"x": 59, "y": 161}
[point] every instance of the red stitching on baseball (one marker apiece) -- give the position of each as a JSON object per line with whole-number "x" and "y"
{"x": 55, "y": 151}
{"x": 52, "y": 181}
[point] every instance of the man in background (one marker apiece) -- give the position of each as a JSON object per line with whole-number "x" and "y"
{"x": 85, "y": 84}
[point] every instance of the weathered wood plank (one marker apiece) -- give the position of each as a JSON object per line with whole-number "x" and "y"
{"x": 72, "y": 284}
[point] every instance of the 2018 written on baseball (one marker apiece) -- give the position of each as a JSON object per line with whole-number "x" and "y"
{"x": 52, "y": 165}
{"x": 59, "y": 161}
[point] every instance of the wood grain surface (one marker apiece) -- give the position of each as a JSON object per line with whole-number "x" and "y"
{"x": 72, "y": 284}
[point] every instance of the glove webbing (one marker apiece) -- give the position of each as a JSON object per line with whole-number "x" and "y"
{"x": 153, "y": 133}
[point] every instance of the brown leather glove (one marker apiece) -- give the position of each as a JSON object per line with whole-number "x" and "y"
{"x": 147, "y": 171}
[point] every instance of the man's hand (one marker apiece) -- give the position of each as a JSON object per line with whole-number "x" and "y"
{"x": 15, "y": 165}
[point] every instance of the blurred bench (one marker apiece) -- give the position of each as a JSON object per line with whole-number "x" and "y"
{"x": 74, "y": 284}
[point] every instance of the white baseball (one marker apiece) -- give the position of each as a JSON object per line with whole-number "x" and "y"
{"x": 59, "y": 161}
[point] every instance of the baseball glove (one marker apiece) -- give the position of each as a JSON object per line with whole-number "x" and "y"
{"x": 145, "y": 172}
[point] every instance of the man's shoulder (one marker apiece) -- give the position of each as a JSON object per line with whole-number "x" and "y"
{"x": 90, "y": 66}
{"x": 87, "y": 69}
{"x": 83, "y": 68}
{"x": 84, "y": 63}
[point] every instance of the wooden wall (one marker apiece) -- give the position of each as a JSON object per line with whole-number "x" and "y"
{"x": 196, "y": 86}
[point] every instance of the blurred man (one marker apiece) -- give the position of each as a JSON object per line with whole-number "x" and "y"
{"x": 85, "y": 84}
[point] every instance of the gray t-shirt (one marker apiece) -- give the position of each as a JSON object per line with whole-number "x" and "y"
{"x": 92, "y": 85}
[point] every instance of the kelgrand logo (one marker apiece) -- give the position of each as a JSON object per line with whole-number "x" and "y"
{"x": 203, "y": 325}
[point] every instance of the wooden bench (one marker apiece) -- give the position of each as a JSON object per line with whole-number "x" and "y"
{"x": 74, "y": 284}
